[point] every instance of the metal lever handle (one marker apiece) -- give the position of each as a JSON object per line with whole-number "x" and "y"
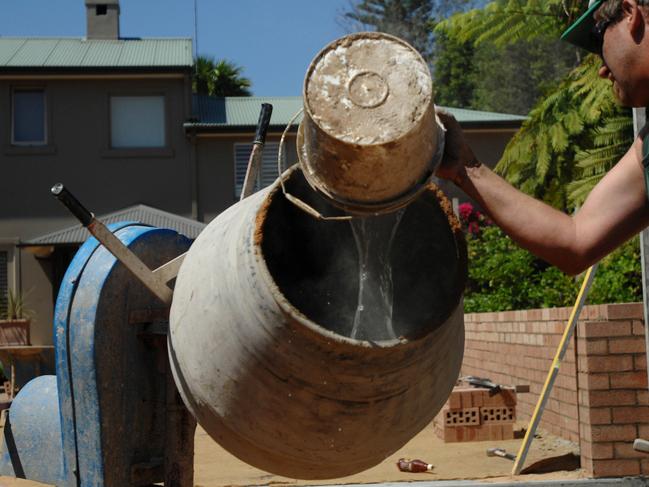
{"x": 114, "y": 245}
{"x": 62, "y": 194}
{"x": 263, "y": 123}
{"x": 255, "y": 161}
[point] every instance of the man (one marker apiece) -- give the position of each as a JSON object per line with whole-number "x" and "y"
{"x": 618, "y": 207}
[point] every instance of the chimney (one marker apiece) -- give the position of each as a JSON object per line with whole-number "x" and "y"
{"x": 102, "y": 19}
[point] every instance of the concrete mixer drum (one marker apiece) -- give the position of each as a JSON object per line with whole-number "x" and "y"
{"x": 260, "y": 325}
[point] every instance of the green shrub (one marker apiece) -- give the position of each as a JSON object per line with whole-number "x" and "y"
{"x": 619, "y": 276}
{"x": 503, "y": 276}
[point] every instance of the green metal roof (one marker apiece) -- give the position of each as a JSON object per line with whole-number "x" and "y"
{"x": 242, "y": 111}
{"x": 79, "y": 53}
{"x": 239, "y": 112}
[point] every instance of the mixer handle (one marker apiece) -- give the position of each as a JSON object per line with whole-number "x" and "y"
{"x": 263, "y": 123}
{"x": 71, "y": 203}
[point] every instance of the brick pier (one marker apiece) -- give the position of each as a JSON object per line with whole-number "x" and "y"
{"x": 600, "y": 398}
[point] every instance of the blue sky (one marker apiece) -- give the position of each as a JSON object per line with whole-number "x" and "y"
{"x": 273, "y": 40}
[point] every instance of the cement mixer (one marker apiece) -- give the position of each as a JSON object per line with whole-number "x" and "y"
{"x": 260, "y": 342}
{"x": 267, "y": 365}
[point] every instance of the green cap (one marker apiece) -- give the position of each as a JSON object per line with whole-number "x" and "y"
{"x": 581, "y": 32}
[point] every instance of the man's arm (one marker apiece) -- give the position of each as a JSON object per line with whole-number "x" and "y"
{"x": 615, "y": 210}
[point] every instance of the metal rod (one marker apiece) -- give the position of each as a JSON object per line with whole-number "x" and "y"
{"x": 554, "y": 370}
{"x": 166, "y": 272}
{"x": 639, "y": 120}
{"x": 121, "y": 252}
{"x": 255, "y": 161}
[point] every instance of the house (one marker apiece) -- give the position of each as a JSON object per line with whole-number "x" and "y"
{"x": 223, "y": 130}
{"x": 115, "y": 120}
{"x": 104, "y": 116}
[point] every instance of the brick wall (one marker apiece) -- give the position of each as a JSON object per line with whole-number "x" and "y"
{"x": 600, "y": 397}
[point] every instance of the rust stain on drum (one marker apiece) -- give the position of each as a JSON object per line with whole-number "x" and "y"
{"x": 446, "y": 205}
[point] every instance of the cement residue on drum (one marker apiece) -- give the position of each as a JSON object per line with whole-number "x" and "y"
{"x": 368, "y": 91}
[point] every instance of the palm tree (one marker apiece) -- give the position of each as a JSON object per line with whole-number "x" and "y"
{"x": 219, "y": 78}
{"x": 576, "y": 132}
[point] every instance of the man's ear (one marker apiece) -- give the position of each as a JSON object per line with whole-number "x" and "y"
{"x": 635, "y": 18}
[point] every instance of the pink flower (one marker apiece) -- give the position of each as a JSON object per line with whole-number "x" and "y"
{"x": 465, "y": 210}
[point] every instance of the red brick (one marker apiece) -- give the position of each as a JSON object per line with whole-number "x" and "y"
{"x": 482, "y": 433}
{"x": 625, "y": 450}
{"x": 630, "y": 380}
{"x": 508, "y": 431}
{"x": 638, "y": 327}
{"x": 642, "y": 398}
{"x": 454, "y": 401}
{"x": 506, "y": 397}
{"x": 477, "y": 397}
{"x": 613, "y": 432}
{"x": 461, "y": 417}
{"x": 592, "y": 329}
{"x": 625, "y": 311}
{"x": 495, "y": 432}
{"x": 611, "y": 398}
{"x": 571, "y": 424}
{"x": 640, "y": 362}
{"x": 464, "y": 433}
{"x": 626, "y": 415}
{"x": 644, "y": 466}
{"x": 594, "y": 381}
{"x": 606, "y": 363}
{"x": 449, "y": 435}
{"x": 595, "y": 415}
{"x": 643, "y": 431}
{"x": 627, "y": 345}
{"x": 595, "y": 312}
{"x": 592, "y": 347}
{"x": 465, "y": 397}
{"x": 597, "y": 451}
{"x": 615, "y": 468}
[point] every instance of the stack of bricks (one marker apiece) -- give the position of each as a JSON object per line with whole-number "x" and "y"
{"x": 613, "y": 396}
{"x": 473, "y": 414}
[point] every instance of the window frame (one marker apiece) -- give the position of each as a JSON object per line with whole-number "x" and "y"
{"x": 13, "y": 262}
{"x": 46, "y": 128}
{"x": 138, "y": 152}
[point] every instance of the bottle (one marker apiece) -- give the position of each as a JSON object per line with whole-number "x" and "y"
{"x": 415, "y": 466}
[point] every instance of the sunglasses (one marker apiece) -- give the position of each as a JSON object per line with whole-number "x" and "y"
{"x": 598, "y": 34}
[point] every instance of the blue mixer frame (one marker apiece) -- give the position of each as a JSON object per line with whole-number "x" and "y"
{"x": 112, "y": 415}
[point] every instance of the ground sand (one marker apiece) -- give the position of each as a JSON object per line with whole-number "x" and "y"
{"x": 215, "y": 467}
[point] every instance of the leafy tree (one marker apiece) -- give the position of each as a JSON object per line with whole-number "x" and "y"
{"x": 512, "y": 78}
{"x": 502, "y": 276}
{"x": 506, "y": 21}
{"x": 572, "y": 137}
{"x": 219, "y": 78}
{"x": 619, "y": 276}
{"x": 455, "y": 72}
{"x": 576, "y": 131}
{"x": 411, "y": 20}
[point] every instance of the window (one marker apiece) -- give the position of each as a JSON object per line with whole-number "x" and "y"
{"x": 28, "y": 125}
{"x": 268, "y": 173}
{"x": 137, "y": 122}
{"x": 101, "y": 9}
{"x": 4, "y": 281}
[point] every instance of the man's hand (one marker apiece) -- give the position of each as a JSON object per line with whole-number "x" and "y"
{"x": 457, "y": 153}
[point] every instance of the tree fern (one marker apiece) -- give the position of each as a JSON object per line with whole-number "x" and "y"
{"x": 572, "y": 137}
{"x": 505, "y": 21}
{"x": 609, "y": 142}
